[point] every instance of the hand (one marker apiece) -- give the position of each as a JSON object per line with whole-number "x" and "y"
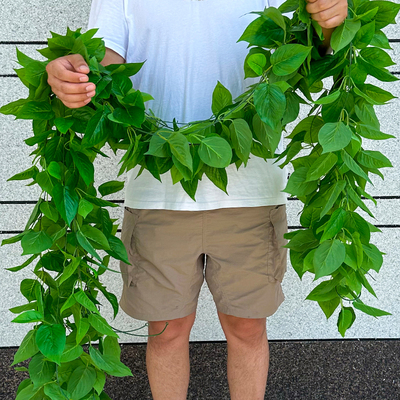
{"x": 68, "y": 79}
{"x": 328, "y": 13}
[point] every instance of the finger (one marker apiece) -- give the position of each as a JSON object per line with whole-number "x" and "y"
{"x": 77, "y": 105}
{"x": 71, "y": 88}
{"x": 332, "y": 22}
{"x": 78, "y": 63}
{"x": 320, "y": 5}
{"x": 74, "y": 98}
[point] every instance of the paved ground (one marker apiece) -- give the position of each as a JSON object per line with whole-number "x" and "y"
{"x": 303, "y": 370}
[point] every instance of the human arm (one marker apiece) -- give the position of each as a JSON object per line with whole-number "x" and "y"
{"x": 68, "y": 78}
{"x": 329, "y": 14}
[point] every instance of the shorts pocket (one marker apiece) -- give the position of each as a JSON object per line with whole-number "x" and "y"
{"x": 131, "y": 216}
{"x": 278, "y": 264}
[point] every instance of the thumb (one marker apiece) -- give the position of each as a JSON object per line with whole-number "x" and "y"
{"x": 78, "y": 63}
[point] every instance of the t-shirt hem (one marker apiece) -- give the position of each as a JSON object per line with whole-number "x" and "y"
{"x": 209, "y": 205}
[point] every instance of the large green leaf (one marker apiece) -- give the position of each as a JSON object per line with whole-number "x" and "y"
{"x": 95, "y": 235}
{"x": 268, "y": 137}
{"x": 35, "y": 242}
{"x": 215, "y": 152}
{"x": 85, "y": 166}
{"x": 109, "y": 364}
{"x": 82, "y": 299}
{"x": 321, "y": 166}
{"x": 55, "y": 392}
{"x": 221, "y": 98}
{"x": 334, "y": 136}
{"x": 50, "y": 340}
{"x": 345, "y": 319}
{"x": 67, "y": 202}
{"x": 27, "y": 349}
{"x": 270, "y": 103}
{"x": 41, "y": 371}
{"x": 241, "y": 138}
{"x": 328, "y": 257}
{"x": 288, "y": 58}
{"x": 180, "y": 149}
{"x": 344, "y": 34}
{"x": 81, "y": 381}
{"x": 36, "y": 110}
{"x": 101, "y": 325}
{"x": 111, "y": 187}
{"x": 96, "y": 130}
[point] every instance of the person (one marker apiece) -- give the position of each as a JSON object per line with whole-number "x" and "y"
{"x": 188, "y": 46}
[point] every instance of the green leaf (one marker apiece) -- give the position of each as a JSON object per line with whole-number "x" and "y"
{"x": 54, "y": 170}
{"x": 270, "y": 103}
{"x": 27, "y": 348}
{"x": 86, "y": 245}
{"x": 241, "y": 138}
{"x": 215, "y": 152}
{"x": 111, "y": 187}
{"x": 365, "y": 34}
{"x": 95, "y": 235}
{"x": 70, "y": 269}
{"x": 385, "y": 15}
{"x": 288, "y": 58}
{"x": 380, "y": 40}
{"x": 28, "y": 316}
{"x": 257, "y": 62}
{"x": 180, "y": 149}
{"x": 221, "y": 98}
{"x": 84, "y": 165}
{"x": 328, "y": 307}
{"x": 55, "y": 392}
{"x": 265, "y": 134}
{"x": 375, "y": 312}
{"x": 334, "y": 225}
{"x": 297, "y": 185}
{"x": 328, "y": 99}
{"x": 50, "y": 340}
{"x": 321, "y": 166}
{"x": 35, "y": 242}
{"x": 328, "y": 257}
{"x": 100, "y": 381}
{"x": 217, "y": 176}
{"x": 117, "y": 249}
{"x": 377, "y": 57}
{"x": 23, "y": 265}
{"x": 130, "y": 115}
{"x": 109, "y": 364}
{"x": 27, "y": 288}
{"x": 13, "y": 107}
{"x": 36, "y": 110}
{"x": 84, "y": 208}
{"x": 373, "y": 159}
{"x": 83, "y": 328}
{"x": 345, "y": 319}
{"x": 67, "y": 202}
{"x": 357, "y": 200}
{"x": 344, "y": 34}
{"x": 63, "y": 124}
{"x": 372, "y": 257}
{"x": 334, "y": 136}
{"x": 101, "y": 325}
{"x": 96, "y": 130}
{"x": 49, "y": 211}
{"x": 373, "y": 94}
{"x": 82, "y": 299}
{"x": 30, "y": 393}
{"x": 81, "y": 381}
{"x": 41, "y": 371}
{"x": 370, "y": 132}
{"x": 353, "y": 166}
{"x": 27, "y": 174}
{"x": 71, "y": 352}
{"x": 112, "y": 348}
{"x": 68, "y": 303}
{"x": 332, "y": 195}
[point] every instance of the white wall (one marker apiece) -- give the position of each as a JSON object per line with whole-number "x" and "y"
{"x": 29, "y": 22}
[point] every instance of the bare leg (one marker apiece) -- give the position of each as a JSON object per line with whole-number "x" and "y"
{"x": 248, "y": 356}
{"x": 167, "y": 358}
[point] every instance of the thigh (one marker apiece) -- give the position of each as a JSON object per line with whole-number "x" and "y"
{"x": 246, "y": 262}
{"x": 166, "y": 271}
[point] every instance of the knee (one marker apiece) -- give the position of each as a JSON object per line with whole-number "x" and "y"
{"x": 176, "y": 330}
{"x": 247, "y": 330}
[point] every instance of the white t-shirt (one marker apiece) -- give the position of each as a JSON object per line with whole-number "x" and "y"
{"x": 188, "y": 46}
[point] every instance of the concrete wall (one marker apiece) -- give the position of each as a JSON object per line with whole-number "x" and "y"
{"x": 26, "y": 24}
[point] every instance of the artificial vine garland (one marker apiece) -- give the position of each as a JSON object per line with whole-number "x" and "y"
{"x": 70, "y": 223}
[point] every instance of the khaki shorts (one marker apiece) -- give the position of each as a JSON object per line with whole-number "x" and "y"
{"x": 237, "y": 250}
